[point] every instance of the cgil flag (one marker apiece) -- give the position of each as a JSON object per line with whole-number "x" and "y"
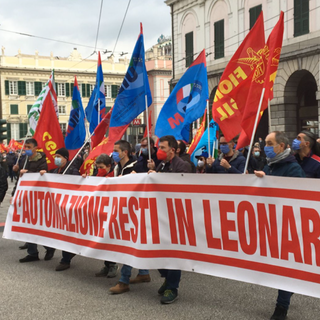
{"x": 186, "y": 102}
{"x": 232, "y": 92}
{"x": 270, "y": 56}
{"x": 34, "y": 113}
{"x": 96, "y": 107}
{"x": 131, "y": 99}
{"x": 76, "y": 131}
{"x": 203, "y": 144}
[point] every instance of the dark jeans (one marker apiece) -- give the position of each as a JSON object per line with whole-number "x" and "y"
{"x": 66, "y": 257}
{"x": 11, "y": 172}
{"x": 33, "y": 249}
{"x": 172, "y": 277}
{"x": 109, "y": 263}
{"x": 284, "y": 298}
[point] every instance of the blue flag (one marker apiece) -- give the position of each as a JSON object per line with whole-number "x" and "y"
{"x": 186, "y": 102}
{"x": 76, "y": 132}
{"x": 96, "y": 107}
{"x": 202, "y": 147}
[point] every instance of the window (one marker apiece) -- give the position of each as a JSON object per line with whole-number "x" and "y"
{"x": 13, "y": 87}
{"x": 301, "y": 17}
{"x": 61, "y": 89}
{"x": 254, "y": 14}
{"x": 14, "y": 109}
{"x": 63, "y": 127}
{"x": 29, "y": 106}
{"x": 107, "y": 90}
{"x": 62, "y": 109}
{"x": 23, "y": 130}
{"x": 91, "y": 89}
{"x": 189, "y": 48}
{"x": 30, "y": 88}
{"x": 15, "y": 131}
{"x": 219, "y": 39}
{"x": 114, "y": 90}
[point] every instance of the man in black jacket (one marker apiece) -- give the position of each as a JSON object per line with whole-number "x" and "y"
{"x": 3, "y": 183}
{"x": 11, "y": 161}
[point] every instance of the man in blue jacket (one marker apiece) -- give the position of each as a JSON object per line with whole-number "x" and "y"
{"x": 280, "y": 162}
{"x": 229, "y": 161}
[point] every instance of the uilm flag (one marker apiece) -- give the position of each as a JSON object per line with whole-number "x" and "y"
{"x": 231, "y": 95}
{"x": 48, "y": 132}
{"x": 270, "y": 56}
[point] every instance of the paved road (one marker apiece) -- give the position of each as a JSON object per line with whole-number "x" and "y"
{"x": 35, "y": 290}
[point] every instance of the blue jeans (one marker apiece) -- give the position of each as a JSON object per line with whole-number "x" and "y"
{"x": 172, "y": 277}
{"x": 126, "y": 273}
{"x": 33, "y": 249}
{"x": 283, "y": 299}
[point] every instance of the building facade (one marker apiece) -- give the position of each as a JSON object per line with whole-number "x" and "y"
{"x": 23, "y": 76}
{"x": 219, "y": 26}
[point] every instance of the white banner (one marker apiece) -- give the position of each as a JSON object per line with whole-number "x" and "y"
{"x": 259, "y": 230}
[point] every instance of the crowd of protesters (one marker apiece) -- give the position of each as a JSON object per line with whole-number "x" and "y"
{"x": 274, "y": 156}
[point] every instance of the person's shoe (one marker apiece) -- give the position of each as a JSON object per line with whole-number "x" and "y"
{"x": 140, "y": 278}
{"x": 280, "y": 313}
{"x": 169, "y": 296}
{"x": 49, "y": 254}
{"x": 163, "y": 288}
{"x": 103, "y": 272}
{"x": 120, "y": 288}
{"x": 113, "y": 270}
{"x": 23, "y": 247}
{"x": 62, "y": 266}
{"x": 29, "y": 258}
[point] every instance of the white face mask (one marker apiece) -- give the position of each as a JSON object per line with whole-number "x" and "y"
{"x": 200, "y": 163}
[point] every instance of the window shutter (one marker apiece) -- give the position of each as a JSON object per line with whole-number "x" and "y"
{"x": 88, "y": 90}
{"x": 67, "y": 90}
{"x": 6, "y": 85}
{"x": 14, "y": 109}
{"x": 114, "y": 90}
{"x": 254, "y": 14}
{"x": 21, "y": 88}
{"x": 301, "y": 17}
{"x": 71, "y": 89}
{"x": 23, "y": 127}
{"x": 83, "y": 90}
{"x": 29, "y": 106}
{"x": 219, "y": 39}
{"x": 37, "y": 88}
{"x": 8, "y": 132}
{"x": 189, "y": 48}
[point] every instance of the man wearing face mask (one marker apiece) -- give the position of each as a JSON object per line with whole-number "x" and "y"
{"x": 229, "y": 161}
{"x": 34, "y": 162}
{"x": 256, "y": 161}
{"x": 11, "y": 160}
{"x": 170, "y": 163}
{"x": 143, "y": 159}
{"x": 307, "y": 153}
{"x": 125, "y": 165}
{"x": 280, "y": 163}
{"x": 201, "y": 164}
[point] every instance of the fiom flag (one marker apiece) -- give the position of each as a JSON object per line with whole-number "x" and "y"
{"x": 204, "y": 142}
{"x": 232, "y": 92}
{"x": 186, "y": 102}
{"x": 35, "y": 110}
{"x": 48, "y": 133}
{"x": 130, "y": 101}
{"x": 270, "y": 56}
{"x": 97, "y": 104}
{"x": 76, "y": 131}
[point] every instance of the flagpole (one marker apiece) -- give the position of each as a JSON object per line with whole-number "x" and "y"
{"x": 148, "y": 136}
{"x": 269, "y": 116}
{"x": 208, "y": 127}
{"x": 254, "y": 130}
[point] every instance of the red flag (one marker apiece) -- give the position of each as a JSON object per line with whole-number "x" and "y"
{"x": 233, "y": 88}
{"x": 198, "y": 135}
{"x": 48, "y": 132}
{"x": 147, "y": 131}
{"x": 101, "y": 130}
{"x": 269, "y": 65}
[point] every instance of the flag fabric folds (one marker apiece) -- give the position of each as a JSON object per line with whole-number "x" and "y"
{"x": 202, "y": 146}
{"x": 15, "y": 145}
{"x": 147, "y": 131}
{"x": 96, "y": 107}
{"x": 232, "y": 92}
{"x": 270, "y": 56}
{"x": 48, "y": 133}
{"x": 198, "y": 135}
{"x": 76, "y": 131}
{"x": 186, "y": 102}
{"x": 34, "y": 113}
{"x": 130, "y": 101}
{"x": 101, "y": 130}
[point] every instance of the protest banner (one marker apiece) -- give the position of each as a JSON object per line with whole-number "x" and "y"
{"x": 258, "y": 230}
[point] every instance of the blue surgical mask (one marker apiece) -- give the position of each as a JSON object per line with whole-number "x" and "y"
{"x": 257, "y": 153}
{"x": 296, "y": 144}
{"x": 57, "y": 162}
{"x": 115, "y": 156}
{"x": 29, "y": 153}
{"x": 144, "y": 151}
{"x": 224, "y": 148}
{"x": 269, "y": 151}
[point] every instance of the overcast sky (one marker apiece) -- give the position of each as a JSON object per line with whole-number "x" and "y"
{"x": 76, "y": 21}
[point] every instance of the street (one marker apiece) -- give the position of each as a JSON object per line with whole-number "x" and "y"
{"x": 35, "y": 290}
